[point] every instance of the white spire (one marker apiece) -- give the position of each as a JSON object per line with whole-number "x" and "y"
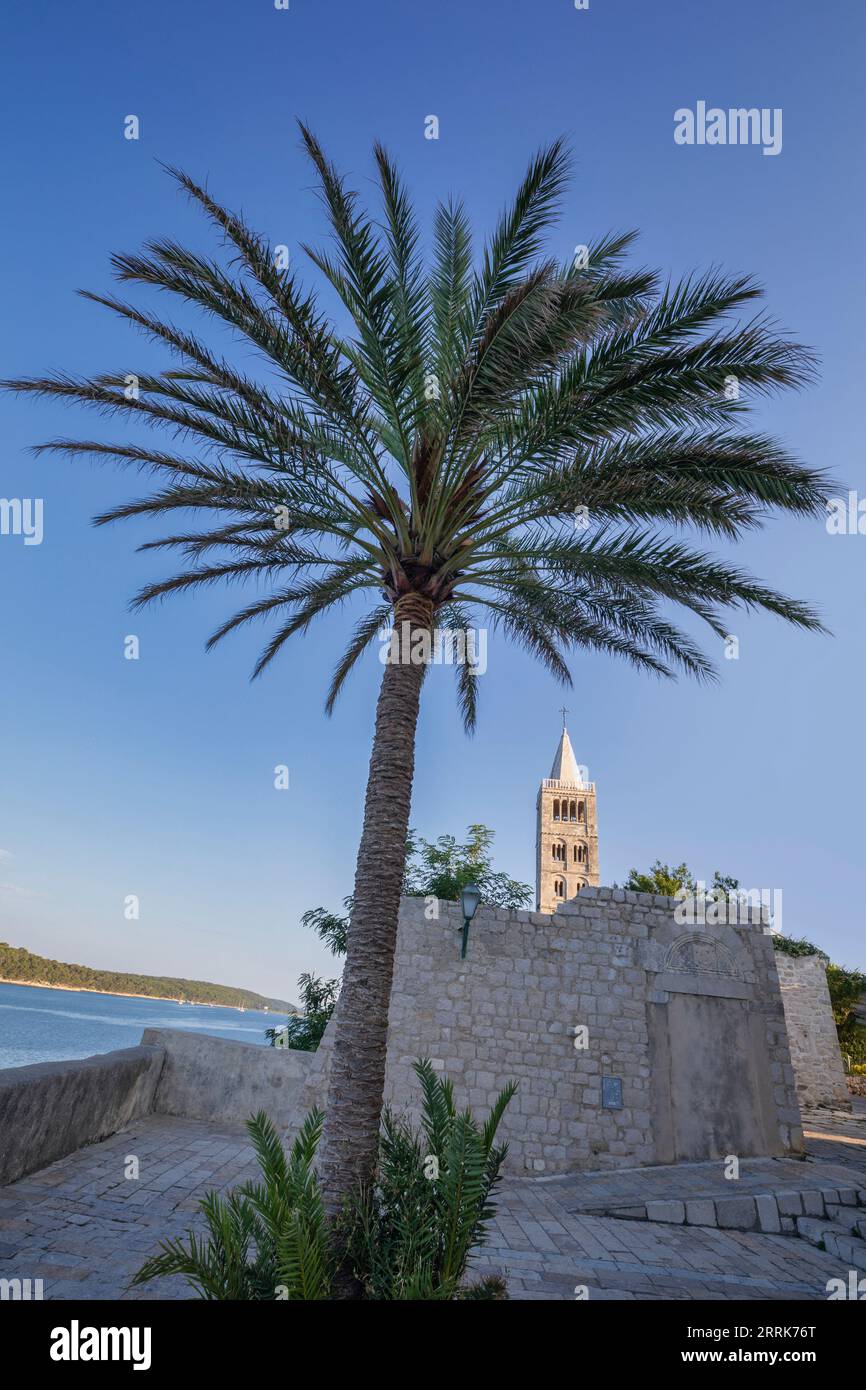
{"x": 565, "y": 768}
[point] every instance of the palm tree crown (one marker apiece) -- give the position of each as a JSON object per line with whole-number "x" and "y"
{"x": 516, "y": 437}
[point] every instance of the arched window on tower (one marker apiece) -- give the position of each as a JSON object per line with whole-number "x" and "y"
{"x": 581, "y": 810}
{"x": 556, "y": 810}
{"x": 572, "y": 810}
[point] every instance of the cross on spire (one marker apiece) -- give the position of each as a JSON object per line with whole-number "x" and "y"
{"x": 564, "y": 711}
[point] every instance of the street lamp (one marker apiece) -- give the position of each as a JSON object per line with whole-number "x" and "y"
{"x": 470, "y": 897}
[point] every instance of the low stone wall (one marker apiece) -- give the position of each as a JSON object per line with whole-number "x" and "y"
{"x": 227, "y": 1082}
{"x": 814, "y": 1042}
{"x": 53, "y": 1108}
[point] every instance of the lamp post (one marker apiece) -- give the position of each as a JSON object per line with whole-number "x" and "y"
{"x": 470, "y": 897}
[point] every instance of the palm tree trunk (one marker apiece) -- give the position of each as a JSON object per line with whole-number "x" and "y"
{"x": 349, "y": 1145}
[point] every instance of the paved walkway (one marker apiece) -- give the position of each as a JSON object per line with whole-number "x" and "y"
{"x": 83, "y": 1226}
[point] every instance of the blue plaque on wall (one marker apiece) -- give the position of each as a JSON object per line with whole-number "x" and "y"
{"x": 611, "y": 1093}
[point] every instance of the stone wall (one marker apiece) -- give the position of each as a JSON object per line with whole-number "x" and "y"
{"x": 684, "y": 1055}
{"x": 814, "y": 1043}
{"x": 227, "y": 1082}
{"x": 52, "y": 1108}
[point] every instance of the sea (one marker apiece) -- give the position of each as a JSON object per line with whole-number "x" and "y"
{"x": 57, "y": 1025}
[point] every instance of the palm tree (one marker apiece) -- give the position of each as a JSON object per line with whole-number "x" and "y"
{"x": 505, "y": 437}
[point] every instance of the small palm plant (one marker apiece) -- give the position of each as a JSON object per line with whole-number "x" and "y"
{"x": 502, "y": 439}
{"x": 266, "y": 1240}
{"x": 431, "y": 1202}
{"x": 408, "y": 1237}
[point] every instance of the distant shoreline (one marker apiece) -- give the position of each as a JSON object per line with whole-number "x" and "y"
{"x": 124, "y": 994}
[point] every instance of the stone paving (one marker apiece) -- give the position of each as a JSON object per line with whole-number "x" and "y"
{"x": 84, "y": 1227}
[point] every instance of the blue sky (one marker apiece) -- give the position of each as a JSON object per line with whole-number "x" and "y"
{"x": 155, "y": 777}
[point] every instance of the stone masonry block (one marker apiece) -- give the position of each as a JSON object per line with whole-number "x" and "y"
{"x": 789, "y": 1203}
{"x": 736, "y": 1213}
{"x": 701, "y": 1211}
{"x": 674, "y": 1212}
{"x": 768, "y": 1213}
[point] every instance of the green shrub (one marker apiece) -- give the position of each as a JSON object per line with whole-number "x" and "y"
{"x": 318, "y": 1000}
{"x": 846, "y": 989}
{"x": 410, "y": 1237}
{"x": 266, "y": 1240}
{"x": 431, "y": 1201}
{"x": 852, "y": 1042}
{"x": 796, "y": 946}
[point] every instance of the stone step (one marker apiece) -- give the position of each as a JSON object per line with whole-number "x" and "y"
{"x": 836, "y": 1240}
{"x": 771, "y": 1212}
{"x": 852, "y": 1218}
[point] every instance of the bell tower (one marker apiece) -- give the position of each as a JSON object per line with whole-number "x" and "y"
{"x": 567, "y": 831}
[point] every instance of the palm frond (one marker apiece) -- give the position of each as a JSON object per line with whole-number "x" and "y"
{"x": 442, "y": 443}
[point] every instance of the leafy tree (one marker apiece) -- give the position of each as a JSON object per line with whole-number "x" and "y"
{"x": 724, "y": 886}
{"x": 662, "y": 878}
{"x": 438, "y": 869}
{"x": 503, "y": 439}
{"x": 329, "y": 927}
{"x": 442, "y": 868}
{"x": 318, "y": 998}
